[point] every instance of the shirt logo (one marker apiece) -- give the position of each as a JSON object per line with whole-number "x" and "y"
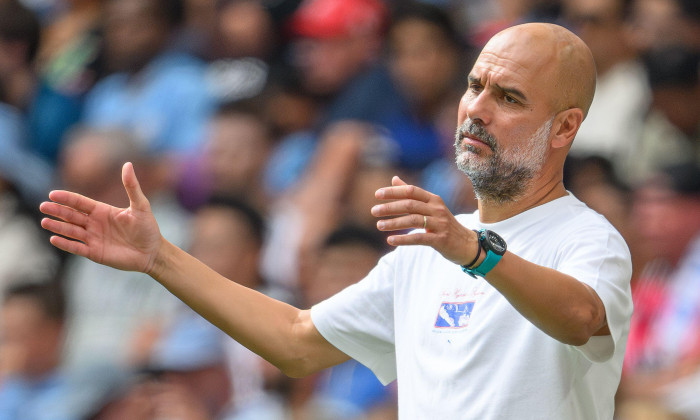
{"x": 454, "y": 315}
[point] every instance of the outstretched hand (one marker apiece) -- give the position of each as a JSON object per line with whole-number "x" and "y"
{"x": 127, "y": 239}
{"x": 416, "y": 208}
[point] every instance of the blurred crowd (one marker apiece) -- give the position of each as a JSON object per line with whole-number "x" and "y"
{"x": 259, "y": 130}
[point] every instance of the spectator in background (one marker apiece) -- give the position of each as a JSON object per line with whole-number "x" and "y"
{"x": 486, "y": 18}
{"x": 233, "y": 159}
{"x": 228, "y": 235}
{"x": 612, "y": 127}
{"x": 22, "y": 252}
{"x": 592, "y": 179}
{"x": 191, "y": 379}
{"x": 114, "y": 315}
{"x": 337, "y": 42}
{"x": 185, "y": 377}
{"x": 157, "y": 92}
{"x": 352, "y": 158}
{"x": 69, "y": 61}
{"x": 392, "y": 123}
{"x": 660, "y": 23}
{"x": 47, "y": 113}
{"x": 349, "y": 390}
{"x": 19, "y": 41}
{"x": 243, "y": 40}
{"x": 406, "y": 96}
{"x": 24, "y": 177}
{"x": 671, "y": 131}
{"x": 245, "y": 29}
{"x": 32, "y": 386}
{"x": 663, "y": 351}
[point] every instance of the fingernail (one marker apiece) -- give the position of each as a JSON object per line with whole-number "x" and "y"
{"x": 381, "y": 224}
{"x": 379, "y": 194}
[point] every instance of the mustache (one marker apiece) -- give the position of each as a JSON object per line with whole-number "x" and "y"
{"x": 475, "y": 130}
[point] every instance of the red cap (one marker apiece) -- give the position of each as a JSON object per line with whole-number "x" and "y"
{"x": 338, "y": 18}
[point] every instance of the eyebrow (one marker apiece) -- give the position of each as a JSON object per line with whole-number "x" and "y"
{"x": 508, "y": 90}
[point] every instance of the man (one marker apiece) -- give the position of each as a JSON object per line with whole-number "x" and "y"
{"x": 20, "y": 103}
{"x": 111, "y": 310}
{"x": 662, "y": 362}
{"x": 156, "y": 91}
{"x": 622, "y": 95}
{"x": 548, "y": 318}
{"x": 348, "y": 390}
{"x": 32, "y": 323}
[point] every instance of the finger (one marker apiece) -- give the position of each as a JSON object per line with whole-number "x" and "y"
{"x": 64, "y": 229}
{"x": 137, "y": 199}
{"x": 409, "y": 239}
{"x": 396, "y": 208}
{"x": 403, "y": 191}
{"x": 396, "y": 181}
{"x": 73, "y": 200}
{"x": 411, "y": 221}
{"x": 74, "y": 247}
{"x": 64, "y": 213}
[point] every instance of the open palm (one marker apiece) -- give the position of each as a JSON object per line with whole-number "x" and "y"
{"x": 127, "y": 239}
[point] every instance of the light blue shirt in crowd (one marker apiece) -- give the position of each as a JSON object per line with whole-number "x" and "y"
{"x": 166, "y": 105}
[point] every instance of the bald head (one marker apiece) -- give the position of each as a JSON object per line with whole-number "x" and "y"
{"x": 560, "y": 59}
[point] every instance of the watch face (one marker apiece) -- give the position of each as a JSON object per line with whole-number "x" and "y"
{"x": 494, "y": 242}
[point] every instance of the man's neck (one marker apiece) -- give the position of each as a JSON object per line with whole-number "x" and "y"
{"x": 537, "y": 194}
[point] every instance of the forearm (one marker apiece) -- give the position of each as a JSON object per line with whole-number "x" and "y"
{"x": 558, "y": 304}
{"x": 280, "y": 333}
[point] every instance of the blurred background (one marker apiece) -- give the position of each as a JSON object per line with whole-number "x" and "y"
{"x": 260, "y": 130}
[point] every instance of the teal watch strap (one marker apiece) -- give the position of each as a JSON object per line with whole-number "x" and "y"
{"x": 494, "y": 246}
{"x": 489, "y": 262}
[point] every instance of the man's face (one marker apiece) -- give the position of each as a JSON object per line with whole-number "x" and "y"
{"x": 665, "y": 220}
{"x": 505, "y": 119}
{"x": 328, "y": 64}
{"x": 504, "y": 174}
{"x": 422, "y": 60}
{"x": 133, "y": 35}
{"x": 599, "y": 24}
{"x": 236, "y": 152}
{"x": 30, "y": 342}
{"x": 222, "y": 239}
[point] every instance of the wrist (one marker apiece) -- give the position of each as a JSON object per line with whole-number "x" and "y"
{"x": 493, "y": 246}
{"x": 478, "y": 252}
{"x": 159, "y": 260}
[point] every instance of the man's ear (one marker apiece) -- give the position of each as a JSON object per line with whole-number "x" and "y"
{"x": 565, "y": 127}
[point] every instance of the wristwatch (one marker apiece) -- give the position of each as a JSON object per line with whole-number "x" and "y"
{"x": 494, "y": 246}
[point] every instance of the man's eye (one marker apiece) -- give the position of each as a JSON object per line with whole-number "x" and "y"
{"x": 510, "y": 99}
{"x": 475, "y": 87}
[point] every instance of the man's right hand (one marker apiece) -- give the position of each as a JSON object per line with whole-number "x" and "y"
{"x": 127, "y": 239}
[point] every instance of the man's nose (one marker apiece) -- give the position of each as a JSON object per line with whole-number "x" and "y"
{"x": 479, "y": 108}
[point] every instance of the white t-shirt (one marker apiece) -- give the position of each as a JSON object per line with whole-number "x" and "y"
{"x": 457, "y": 346}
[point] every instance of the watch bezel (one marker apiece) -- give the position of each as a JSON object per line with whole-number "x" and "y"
{"x": 494, "y": 242}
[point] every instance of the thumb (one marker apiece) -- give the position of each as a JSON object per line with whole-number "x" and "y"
{"x": 137, "y": 199}
{"x": 397, "y": 182}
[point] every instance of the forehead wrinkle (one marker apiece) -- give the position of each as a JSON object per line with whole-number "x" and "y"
{"x": 506, "y": 74}
{"x": 547, "y": 55}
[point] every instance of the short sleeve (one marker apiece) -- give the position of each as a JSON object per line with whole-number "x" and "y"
{"x": 359, "y": 320}
{"x": 600, "y": 258}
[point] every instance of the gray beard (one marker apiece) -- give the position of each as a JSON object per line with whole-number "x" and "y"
{"x": 502, "y": 177}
